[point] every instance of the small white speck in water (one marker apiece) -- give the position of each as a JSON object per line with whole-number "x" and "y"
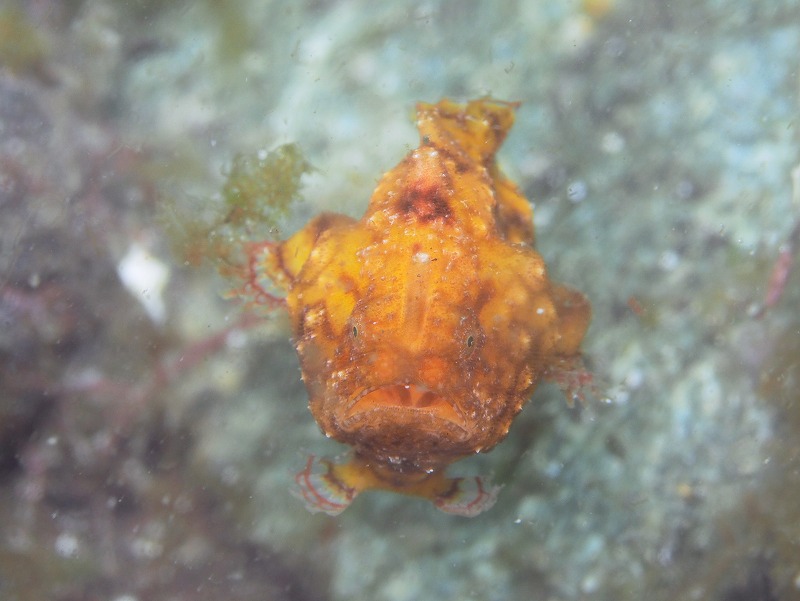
{"x": 577, "y": 191}
{"x": 66, "y": 545}
{"x": 145, "y": 277}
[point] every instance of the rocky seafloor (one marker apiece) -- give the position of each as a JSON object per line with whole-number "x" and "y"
{"x": 149, "y": 432}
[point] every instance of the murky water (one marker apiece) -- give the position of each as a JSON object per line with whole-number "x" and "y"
{"x": 150, "y": 427}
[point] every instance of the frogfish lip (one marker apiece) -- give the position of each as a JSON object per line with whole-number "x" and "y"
{"x": 405, "y": 402}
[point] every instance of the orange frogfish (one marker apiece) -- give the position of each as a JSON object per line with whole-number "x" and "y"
{"x": 423, "y": 327}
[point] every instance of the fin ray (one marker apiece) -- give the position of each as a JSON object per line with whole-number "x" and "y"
{"x": 467, "y": 497}
{"x": 320, "y": 489}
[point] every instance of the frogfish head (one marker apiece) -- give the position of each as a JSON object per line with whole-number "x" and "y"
{"x": 417, "y": 393}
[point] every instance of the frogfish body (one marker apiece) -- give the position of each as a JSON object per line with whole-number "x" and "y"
{"x": 423, "y": 327}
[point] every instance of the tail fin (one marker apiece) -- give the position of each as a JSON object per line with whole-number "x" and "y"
{"x": 476, "y": 129}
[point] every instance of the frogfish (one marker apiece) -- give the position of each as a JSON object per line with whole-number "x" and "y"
{"x": 423, "y": 327}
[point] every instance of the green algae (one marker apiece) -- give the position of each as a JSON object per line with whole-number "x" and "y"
{"x": 235, "y": 32}
{"x": 257, "y": 195}
{"x": 22, "y": 49}
{"x": 261, "y": 189}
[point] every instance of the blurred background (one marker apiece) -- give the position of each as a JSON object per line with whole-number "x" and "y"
{"x": 150, "y": 428}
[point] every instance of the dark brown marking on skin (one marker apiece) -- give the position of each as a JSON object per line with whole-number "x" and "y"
{"x": 320, "y": 308}
{"x": 326, "y": 221}
{"x": 281, "y": 265}
{"x": 509, "y": 222}
{"x": 460, "y": 160}
{"x": 425, "y": 205}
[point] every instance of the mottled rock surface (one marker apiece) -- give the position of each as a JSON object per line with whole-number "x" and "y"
{"x": 149, "y": 459}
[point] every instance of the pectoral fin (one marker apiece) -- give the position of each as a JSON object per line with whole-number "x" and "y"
{"x": 467, "y": 497}
{"x": 328, "y": 487}
{"x": 322, "y": 488}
